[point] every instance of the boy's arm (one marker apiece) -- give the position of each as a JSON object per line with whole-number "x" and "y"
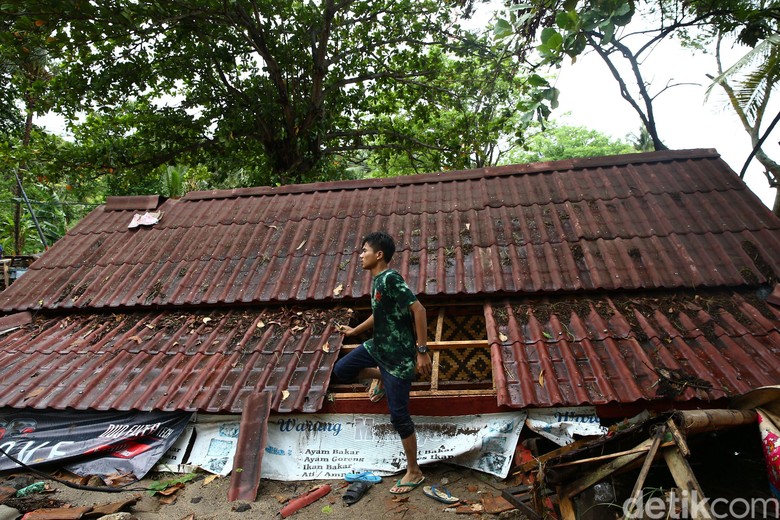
{"x": 423, "y": 362}
{"x": 360, "y": 329}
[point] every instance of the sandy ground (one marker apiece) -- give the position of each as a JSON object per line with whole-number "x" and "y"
{"x": 204, "y": 499}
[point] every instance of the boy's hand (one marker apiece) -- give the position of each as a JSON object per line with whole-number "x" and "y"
{"x": 346, "y": 330}
{"x": 424, "y": 365}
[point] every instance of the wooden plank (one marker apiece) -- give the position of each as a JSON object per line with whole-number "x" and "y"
{"x": 455, "y": 344}
{"x": 686, "y": 480}
{"x": 436, "y": 345}
{"x": 436, "y": 354}
{"x": 602, "y": 472}
{"x": 609, "y": 456}
{"x": 554, "y": 454}
{"x": 640, "y": 481}
{"x": 566, "y": 507}
{"x": 439, "y": 325}
{"x": 708, "y": 420}
{"x": 361, "y": 395}
{"x": 520, "y": 500}
{"x": 678, "y": 437}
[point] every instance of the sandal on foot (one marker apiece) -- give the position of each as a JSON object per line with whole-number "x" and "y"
{"x": 440, "y": 493}
{"x": 406, "y": 487}
{"x": 376, "y": 391}
{"x": 355, "y": 492}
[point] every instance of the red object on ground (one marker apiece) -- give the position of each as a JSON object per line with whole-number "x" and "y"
{"x": 304, "y": 500}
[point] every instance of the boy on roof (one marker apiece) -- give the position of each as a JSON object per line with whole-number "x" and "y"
{"x": 392, "y": 356}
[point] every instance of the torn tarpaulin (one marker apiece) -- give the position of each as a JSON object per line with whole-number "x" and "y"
{"x": 90, "y": 443}
{"x": 149, "y": 218}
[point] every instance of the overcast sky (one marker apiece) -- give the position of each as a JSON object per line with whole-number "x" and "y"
{"x": 592, "y": 98}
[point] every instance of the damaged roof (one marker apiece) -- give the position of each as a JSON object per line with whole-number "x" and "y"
{"x": 207, "y": 361}
{"x": 555, "y": 250}
{"x": 625, "y": 348}
{"x": 641, "y": 221}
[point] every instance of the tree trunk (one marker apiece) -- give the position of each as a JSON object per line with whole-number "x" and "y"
{"x": 776, "y": 205}
{"x": 18, "y": 245}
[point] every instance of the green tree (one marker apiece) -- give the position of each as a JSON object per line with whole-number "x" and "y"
{"x": 282, "y": 91}
{"x": 626, "y": 31}
{"x": 558, "y": 141}
{"x": 474, "y": 119}
{"x": 25, "y": 66}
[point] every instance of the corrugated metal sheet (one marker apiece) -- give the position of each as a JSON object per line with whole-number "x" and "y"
{"x": 206, "y": 361}
{"x": 632, "y": 347}
{"x": 630, "y": 222}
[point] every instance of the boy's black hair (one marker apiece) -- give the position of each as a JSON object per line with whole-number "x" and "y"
{"x": 381, "y": 241}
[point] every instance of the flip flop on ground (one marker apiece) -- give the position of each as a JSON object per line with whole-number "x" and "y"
{"x": 355, "y": 492}
{"x": 440, "y": 493}
{"x": 376, "y": 391}
{"x": 365, "y": 476}
{"x": 405, "y": 487}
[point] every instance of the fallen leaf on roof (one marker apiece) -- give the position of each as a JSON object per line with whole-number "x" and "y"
{"x": 468, "y": 226}
{"x": 300, "y": 246}
{"x": 206, "y": 320}
{"x": 136, "y": 339}
{"x": 260, "y": 324}
{"x": 149, "y": 326}
{"x": 270, "y": 226}
{"x": 503, "y": 337}
{"x": 541, "y": 378}
{"x": 36, "y": 392}
{"x": 338, "y": 289}
{"x": 285, "y": 394}
{"x": 326, "y": 347}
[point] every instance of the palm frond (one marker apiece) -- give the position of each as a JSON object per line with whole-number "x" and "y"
{"x": 755, "y": 59}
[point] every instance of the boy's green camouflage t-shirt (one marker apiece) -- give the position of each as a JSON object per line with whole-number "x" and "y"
{"x": 393, "y": 344}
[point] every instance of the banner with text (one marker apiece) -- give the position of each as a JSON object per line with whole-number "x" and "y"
{"x": 92, "y": 443}
{"x": 309, "y": 447}
{"x": 560, "y": 425}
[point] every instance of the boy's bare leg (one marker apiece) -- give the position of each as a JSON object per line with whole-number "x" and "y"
{"x": 413, "y": 471}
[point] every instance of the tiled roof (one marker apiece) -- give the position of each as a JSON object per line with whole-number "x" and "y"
{"x": 641, "y": 221}
{"x": 626, "y": 348}
{"x": 207, "y": 361}
{"x": 620, "y": 271}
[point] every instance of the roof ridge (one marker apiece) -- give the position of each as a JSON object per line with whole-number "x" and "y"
{"x": 458, "y": 175}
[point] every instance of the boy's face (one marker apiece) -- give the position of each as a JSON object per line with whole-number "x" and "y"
{"x": 369, "y": 257}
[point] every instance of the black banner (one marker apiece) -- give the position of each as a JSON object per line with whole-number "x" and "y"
{"x": 88, "y": 442}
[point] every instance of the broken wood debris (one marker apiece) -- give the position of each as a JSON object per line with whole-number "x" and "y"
{"x": 579, "y": 466}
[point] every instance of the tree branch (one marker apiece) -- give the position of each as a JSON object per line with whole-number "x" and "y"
{"x": 648, "y": 118}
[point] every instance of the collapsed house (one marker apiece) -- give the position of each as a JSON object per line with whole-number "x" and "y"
{"x": 625, "y": 283}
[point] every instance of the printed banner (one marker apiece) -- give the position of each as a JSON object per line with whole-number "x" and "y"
{"x": 769, "y": 426}
{"x": 560, "y": 425}
{"x": 93, "y": 443}
{"x": 215, "y": 445}
{"x": 309, "y": 447}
